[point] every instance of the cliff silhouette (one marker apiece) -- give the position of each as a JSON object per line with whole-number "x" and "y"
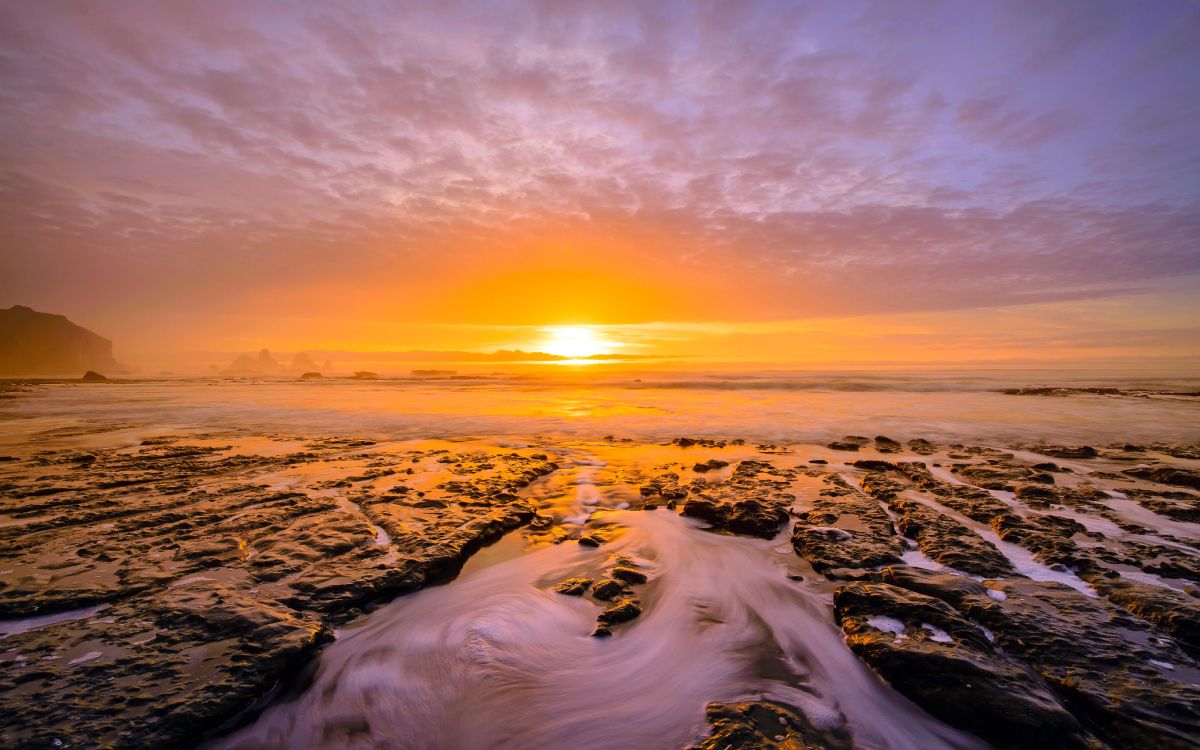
{"x": 37, "y": 344}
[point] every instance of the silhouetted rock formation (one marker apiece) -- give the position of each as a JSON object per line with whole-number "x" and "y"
{"x": 303, "y": 363}
{"x": 91, "y": 376}
{"x": 41, "y": 344}
{"x": 263, "y": 364}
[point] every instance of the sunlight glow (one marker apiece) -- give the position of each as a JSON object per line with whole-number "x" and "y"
{"x": 574, "y": 341}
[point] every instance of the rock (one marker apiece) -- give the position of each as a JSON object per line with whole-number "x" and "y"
{"x": 233, "y": 584}
{"x": 994, "y": 476}
{"x": 741, "y": 516}
{"x": 1097, "y": 658}
{"x": 765, "y": 725}
{"x": 886, "y": 445}
{"x": 665, "y": 485}
{"x": 312, "y": 376}
{"x": 922, "y": 447}
{"x": 608, "y": 589}
{"x": 945, "y": 664}
{"x": 711, "y": 464}
{"x": 301, "y": 362}
{"x": 747, "y": 503}
{"x": 1167, "y": 475}
{"x": 621, "y": 611}
{"x": 1061, "y": 451}
{"x": 37, "y": 344}
{"x": 1171, "y": 611}
{"x": 628, "y": 574}
{"x": 846, "y": 529}
{"x": 573, "y": 586}
{"x": 839, "y": 445}
{"x": 365, "y": 375}
{"x": 91, "y": 376}
{"x": 871, "y": 464}
{"x": 937, "y": 535}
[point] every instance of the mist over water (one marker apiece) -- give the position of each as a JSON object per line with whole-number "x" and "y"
{"x": 775, "y": 406}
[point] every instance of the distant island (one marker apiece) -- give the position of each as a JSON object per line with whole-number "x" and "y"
{"x": 38, "y": 344}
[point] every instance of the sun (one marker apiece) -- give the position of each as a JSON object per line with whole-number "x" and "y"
{"x": 574, "y": 342}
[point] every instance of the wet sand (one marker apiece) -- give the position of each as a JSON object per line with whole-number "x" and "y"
{"x": 265, "y": 564}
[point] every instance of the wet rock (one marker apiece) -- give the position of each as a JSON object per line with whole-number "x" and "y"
{"x": 741, "y": 516}
{"x": 312, "y": 376}
{"x": 886, "y": 445}
{"x": 1000, "y": 477}
{"x": 937, "y": 535}
{"x": 945, "y": 664}
{"x": 749, "y": 502}
{"x": 608, "y": 589}
{"x": 91, "y": 376}
{"x": 216, "y": 586}
{"x": 871, "y": 464}
{"x": 574, "y": 586}
{"x": 765, "y": 725}
{"x": 1097, "y": 658}
{"x": 620, "y": 611}
{"x": 1062, "y": 451}
{"x": 665, "y": 485}
{"x": 842, "y": 445}
{"x": 1171, "y": 611}
{"x": 1167, "y": 475}
{"x": 922, "y": 447}
{"x": 172, "y": 698}
{"x": 710, "y": 465}
{"x": 846, "y": 529}
{"x": 628, "y": 574}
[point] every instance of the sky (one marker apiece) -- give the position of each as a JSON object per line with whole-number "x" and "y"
{"x": 752, "y": 181}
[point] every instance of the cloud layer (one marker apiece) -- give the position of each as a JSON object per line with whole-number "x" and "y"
{"x": 666, "y": 161}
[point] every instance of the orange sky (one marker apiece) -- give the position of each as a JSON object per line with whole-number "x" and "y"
{"x": 755, "y": 182}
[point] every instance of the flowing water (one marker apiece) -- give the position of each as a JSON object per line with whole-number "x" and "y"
{"x": 497, "y": 660}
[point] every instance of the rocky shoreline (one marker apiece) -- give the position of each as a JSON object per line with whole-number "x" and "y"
{"x": 156, "y": 591}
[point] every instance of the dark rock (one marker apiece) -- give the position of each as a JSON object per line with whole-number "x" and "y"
{"x": 665, "y": 485}
{"x": 312, "y": 376}
{"x": 937, "y": 535}
{"x": 1167, "y": 475}
{"x": 741, "y": 516}
{"x": 365, "y": 375}
{"x": 946, "y": 665}
{"x": 628, "y": 574}
{"x": 711, "y": 464}
{"x": 922, "y": 447}
{"x": 1061, "y": 451}
{"x": 764, "y": 725}
{"x": 886, "y": 445}
{"x": 846, "y": 529}
{"x": 871, "y": 464}
{"x": 1171, "y": 611}
{"x": 608, "y": 589}
{"x": 839, "y": 445}
{"x": 91, "y": 376}
{"x": 574, "y": 586}
{"x": 620, "y": 611}
{"x": 747, "y": 503}
{"x": 1095, "y": 657}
